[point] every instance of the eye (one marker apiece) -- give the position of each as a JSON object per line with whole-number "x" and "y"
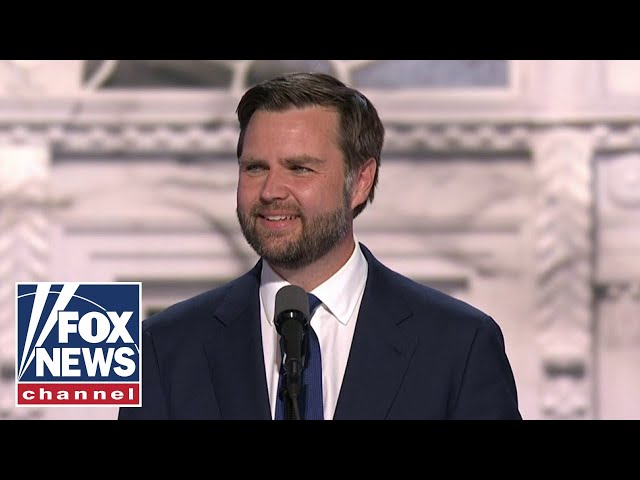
{"x": 253, "y": 168}
{"x": 300, "y": 169}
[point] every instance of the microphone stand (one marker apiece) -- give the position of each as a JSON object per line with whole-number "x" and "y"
{"x": 294, "y": 333}
{"x": 291, "y": 389}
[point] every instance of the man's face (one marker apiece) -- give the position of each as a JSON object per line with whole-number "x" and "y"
{"x": 292, "y": 204}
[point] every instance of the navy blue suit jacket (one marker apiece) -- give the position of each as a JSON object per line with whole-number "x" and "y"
{"x": 417, "y": 353}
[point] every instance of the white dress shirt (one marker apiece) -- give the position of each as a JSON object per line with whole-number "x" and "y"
{"x": 334, "y": 322}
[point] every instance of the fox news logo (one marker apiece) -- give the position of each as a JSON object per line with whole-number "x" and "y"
{"x": 78, "y": 344}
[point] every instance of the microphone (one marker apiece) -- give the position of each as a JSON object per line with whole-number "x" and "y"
{"x": 292, "y": 323}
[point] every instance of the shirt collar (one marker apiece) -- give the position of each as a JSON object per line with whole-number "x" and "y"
{"x": 339, "y": 293}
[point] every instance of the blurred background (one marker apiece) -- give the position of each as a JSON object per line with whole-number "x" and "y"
{"x": 511, "y": 184}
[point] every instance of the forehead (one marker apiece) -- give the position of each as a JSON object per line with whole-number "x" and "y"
{"x": 304, "y": 124}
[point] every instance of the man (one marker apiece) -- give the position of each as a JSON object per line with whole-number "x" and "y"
{"x": 309, "y": 153}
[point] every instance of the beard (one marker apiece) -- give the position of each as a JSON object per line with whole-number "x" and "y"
{"x": 319, "y": 235}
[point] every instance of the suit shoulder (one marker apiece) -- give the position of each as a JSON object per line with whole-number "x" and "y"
{"x": 418, "y": 296}
{"x": 441, "y": 305}
{"x": 190, "y": 310}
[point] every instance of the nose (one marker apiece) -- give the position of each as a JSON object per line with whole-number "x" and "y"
{"x": 274, "y": 187}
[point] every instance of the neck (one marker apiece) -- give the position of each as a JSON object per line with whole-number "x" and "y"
{"x": 316, "y": 273}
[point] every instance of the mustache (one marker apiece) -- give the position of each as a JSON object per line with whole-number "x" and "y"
{"x": 261, "y": 209}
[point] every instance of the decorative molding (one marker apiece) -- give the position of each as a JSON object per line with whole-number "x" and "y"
{"x": 221, "y": 137}
{"x": 24, "y": 250}
{"x": 563, "y": 271}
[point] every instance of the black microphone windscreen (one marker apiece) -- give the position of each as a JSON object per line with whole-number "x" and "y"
{"x": 292, "y": 297}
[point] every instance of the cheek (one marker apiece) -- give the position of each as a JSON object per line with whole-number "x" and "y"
{"x": 244, "y": 195}
{"x": 321, "y": 197}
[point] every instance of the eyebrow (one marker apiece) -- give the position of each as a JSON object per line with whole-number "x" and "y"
{"x": 288, "y": 161}
{"x": 302, "y": 159}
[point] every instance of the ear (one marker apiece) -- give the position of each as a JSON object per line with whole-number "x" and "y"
{"x": 363, "y": 183}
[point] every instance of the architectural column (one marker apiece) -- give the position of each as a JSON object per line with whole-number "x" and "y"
{"x": 563, "y": 271}
{"x": 619, "y": 350}
{"x": 24, "y": 249}
{"x": 618, "y": 280}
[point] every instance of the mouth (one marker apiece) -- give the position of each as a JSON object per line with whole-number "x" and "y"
{"x": 278, "y": 218}
{"x": 277, "y": 221}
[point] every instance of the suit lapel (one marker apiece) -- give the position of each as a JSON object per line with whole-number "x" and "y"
{"x": 380, "y": 352}
{"x": 234, "y": 353}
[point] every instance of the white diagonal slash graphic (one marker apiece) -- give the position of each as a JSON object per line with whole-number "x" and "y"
{"x": 42, "y": 292}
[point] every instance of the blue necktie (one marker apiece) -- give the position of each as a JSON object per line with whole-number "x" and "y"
{"x": 311, "y": 391}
